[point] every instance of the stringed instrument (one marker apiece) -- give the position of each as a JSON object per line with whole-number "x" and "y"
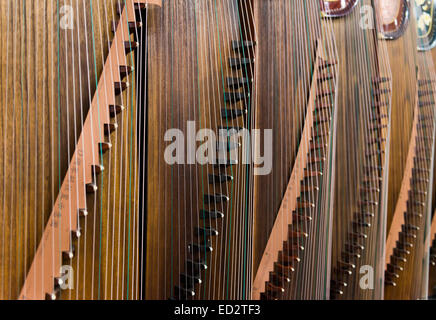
{"x": 407, "y": 243}
{"x": 363, "y": 143}
{"x": 202, "y": 105}
{"x": 426, "y": 37}
{"x": 69, "y": 164}
{"x": 425, "y": 16}
{"x": 293, "y": 205}
{"x": 217, "y": 149}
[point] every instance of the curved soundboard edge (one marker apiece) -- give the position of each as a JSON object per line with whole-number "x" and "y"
{"x": 42, "y": 280}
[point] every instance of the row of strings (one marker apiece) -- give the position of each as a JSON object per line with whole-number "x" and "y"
{"x": 415, "y": 100}
{"x": 200, "y": 211}
{"x": 53, "y": 52}
{"x": 301, "y": 58}
{"x": 364, "y": 99}
{"x": 200, "y": 238}
{"x": 411, "y": 282}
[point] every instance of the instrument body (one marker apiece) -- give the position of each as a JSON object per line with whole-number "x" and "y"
{"x": 200, "y": 214}
{"x": 217, "y": 149}
{"x": 363, "y": 148}
{"x": 293, "y": 218}
{"x": 406, "y": 275}
{"x": 75, "y": 227}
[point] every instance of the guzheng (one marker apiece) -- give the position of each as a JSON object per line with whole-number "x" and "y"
{"x": 407, "y": 242}
{"x": 217, "y": 149}
{"x": 70, "y": 141}
{"x": 363, "y": 141}
{"x": 199, "y": 208}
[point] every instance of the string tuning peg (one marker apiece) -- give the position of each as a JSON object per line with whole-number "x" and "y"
{"x": 354, "y": 246}
{"x": 216, "y": 198}
{"x": 378, "y": 80}
{"x": 130, "y": 46}
{"x": 422, "y": 82}
{"x": 66, "y": 255}
{"x": 236, "y": 83}
{"x": 125, "y": 71}
{"x": 292, "y": 249}
{"x": 296, "y": 237}
{"x": 120, "y": 87}
{"x": 231, "y": 114}
{"x": 211, "y": 215}
{"x": 350, "y": 255}
{"x": 283, "y": 270}
{"x": 379, "y": 92}
{"x": 58, "y": 282}
{"x": 238, "y": 63}
{"x": 273, "y": 289}
{"x": 182, "y": 293}
{"x": 324, "y": 93}
{"x": 199, "y": 248}
{"x": 97, "y": 169}
{"x": 300, "y": 218}
{"x": 393, "y": 267}
{"x": 423, "y": 93}
{"x": 205, "y": 231}
{"x": 195, "y": 268}
{"x": 337, "y": 292}
{"x": 221, "y": 178}
{"x": 83, "y": 212}
{"x": 189, "y": 282}
{"x": 390, "y": 283}
{"x": 76, "y": 233}
{"x": 404, "y": 244}
{"x": 401, "y": 252}
{"x": 326, "y": 64}
{"x": 104, "y": 146}
{"x": 91, "y": 188}
{"x": 243, "y": 46}
{"x": 391, "y": 275}
{"x": 234, "y": 97}
{"x": 343, "y": 265}
{"x": 407, "y": 236}
{"x": 279, "y": 280}
{"x": 110, "y": 127}
{"x": 312, "y": 174}
{"x": 309, "y": 188}
{"x": 304, "y": 204}
{"x": 51, "y": 296}
{"x": 132, "y": 25}
{"x": 324, "y": 77}
{"x": 397, "y": 259}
